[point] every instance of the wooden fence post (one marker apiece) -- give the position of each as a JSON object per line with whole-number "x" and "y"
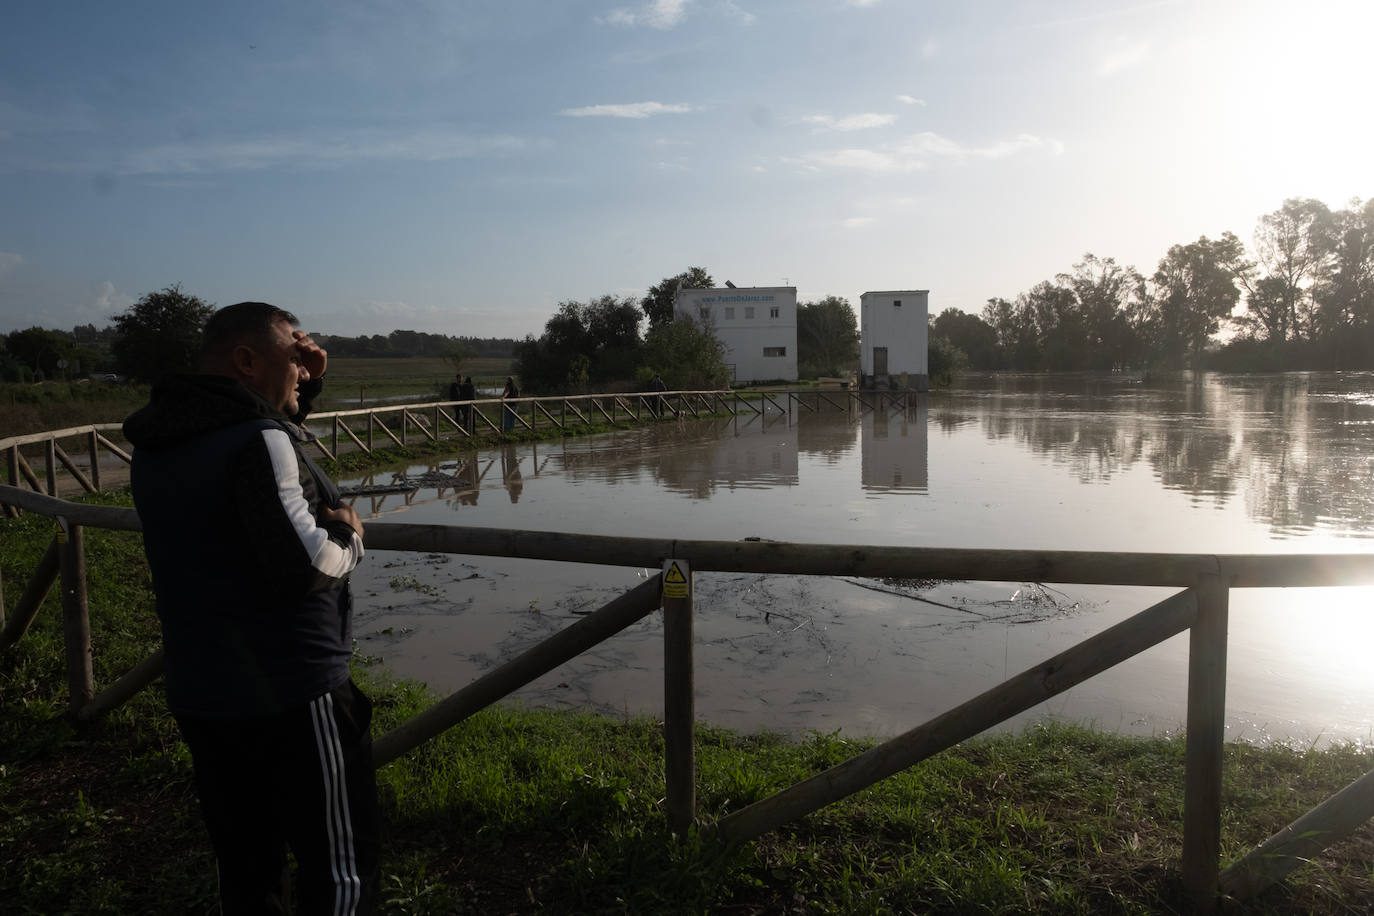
{"x": 50, "y": 459}
{"x": 12, "y": 476}
{"x": 679, "y": 709}
{"x": 40, "y": 583}
{"x": 93, "y": 443}
{"x": 1206, "y": 732}
{"x": 76, "y": 623}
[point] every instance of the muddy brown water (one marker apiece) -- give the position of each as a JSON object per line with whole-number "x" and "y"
{"x": 1219, "y": 464}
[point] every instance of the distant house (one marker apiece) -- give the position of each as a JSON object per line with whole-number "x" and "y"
{"x": 894, "y": 337}
{"x": 757, "y": 325}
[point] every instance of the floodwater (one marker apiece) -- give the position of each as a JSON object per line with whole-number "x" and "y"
{"x": 1217, "y": 464}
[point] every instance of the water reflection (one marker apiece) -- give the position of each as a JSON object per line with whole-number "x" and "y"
{"x": 511, "y": 477}
{"x": 1295, "y": 451}
{"x": 1296, "y": 447}
{"x": 895, "y": 449}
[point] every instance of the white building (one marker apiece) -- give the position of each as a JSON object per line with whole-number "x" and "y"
{"x": 757, "y": 325}
{"x": 894, "y": 334}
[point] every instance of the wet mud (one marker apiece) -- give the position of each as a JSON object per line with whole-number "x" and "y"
{"x": 792, "y": 654}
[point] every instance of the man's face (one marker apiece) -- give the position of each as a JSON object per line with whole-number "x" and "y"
{"x": 277, "y": 369}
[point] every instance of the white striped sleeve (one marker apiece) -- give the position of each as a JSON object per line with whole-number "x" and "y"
{"x": 327, "y": 557}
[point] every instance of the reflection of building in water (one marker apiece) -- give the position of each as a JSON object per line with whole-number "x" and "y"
{"x": 894, "y": 447}
{"x": 753, "y": 452}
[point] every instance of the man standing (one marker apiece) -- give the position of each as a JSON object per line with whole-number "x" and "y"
{"x": 250, "y": 551}
{"x": 658, "y": 403}
{"x": 467, "y": 392}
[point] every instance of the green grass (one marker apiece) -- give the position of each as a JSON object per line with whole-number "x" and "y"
{"x": 520, "y": 810}
{"x": 35, "y": 408}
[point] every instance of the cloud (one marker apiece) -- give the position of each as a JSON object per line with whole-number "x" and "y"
{"x": 1123, "y": 57}
{"x": 657, "y": 14}
{"x": 731, "y": 11}
{"x": 9, "y": 261}
{"x": 856, "y": 222}
{"x": 861, "y": 4}
{"x": 865, "y": 160}
{"x": 921, "y": 152}
{"x": 339, "y": 149}
{"x": 630, "y": 110}
{"x": 910, "y": 100}
{"x": 110, "y": 301}
{"x": 850, "y": 122}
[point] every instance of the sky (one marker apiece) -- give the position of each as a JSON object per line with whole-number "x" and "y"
{"x": 463, "y": 167}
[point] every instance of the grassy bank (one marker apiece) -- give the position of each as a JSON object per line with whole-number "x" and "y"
{"x": 528, "y": 811}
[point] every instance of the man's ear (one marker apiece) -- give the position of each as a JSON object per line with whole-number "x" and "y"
{"x": 244, "y": 360}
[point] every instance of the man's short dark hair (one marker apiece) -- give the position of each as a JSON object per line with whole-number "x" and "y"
{"x": 241, "y": 321}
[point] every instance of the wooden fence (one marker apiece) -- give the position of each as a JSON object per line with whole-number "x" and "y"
{"x": 366, "y": 427}
{"x": 1201, "y": 607}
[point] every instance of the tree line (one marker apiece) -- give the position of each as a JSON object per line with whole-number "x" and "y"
{"x": 160, "y": 333}
{"x": 1301, "y": 297}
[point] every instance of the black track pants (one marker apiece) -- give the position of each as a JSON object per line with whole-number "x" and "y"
{"x": 302, "y": 780}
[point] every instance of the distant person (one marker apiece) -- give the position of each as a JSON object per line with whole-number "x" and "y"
{"x": 250, "y": 550}
{"x": 657, "y": 403}
{"x": 455, "y": 388}
{"x": 508, "y": 412}
{"x": 467, "y": 392}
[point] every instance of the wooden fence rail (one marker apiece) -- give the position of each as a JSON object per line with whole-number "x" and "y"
{"x": 1200, "y": 608}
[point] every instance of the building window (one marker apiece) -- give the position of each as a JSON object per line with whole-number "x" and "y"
{"x": 897, "y": 303}
{"x": 704, "y": 312}
{"x": 773, "y": 312}
{"x": 748, "y": 311}
{"x": 729, "y": 313}
{"x": 774, "y": 351}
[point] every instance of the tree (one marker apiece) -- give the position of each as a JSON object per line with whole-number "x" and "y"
{"x": 1194, "y": 291}
{"x": 160, "y": 334}
{"x": 658, "y": 304}
{"x": 1345, "y": 296}
{"x": 943, "y": 359}
{"x": 1017, "y": 341}
{"x": 1058, "y": 325}
{"x": 971, "y": 335}
{"x": 593, "y": 343}
{"x": 687, "y": 354}
{"x": 827, "y": 338}
{"x": 1106, "y": 297}
{"x": 39, "y": 350}
{"x": 1293, "y": 247}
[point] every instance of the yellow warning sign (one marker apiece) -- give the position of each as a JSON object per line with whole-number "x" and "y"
{"x": 675, "y": 579}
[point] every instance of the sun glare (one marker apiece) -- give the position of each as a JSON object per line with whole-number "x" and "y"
{"x": 1289, "y": 82}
